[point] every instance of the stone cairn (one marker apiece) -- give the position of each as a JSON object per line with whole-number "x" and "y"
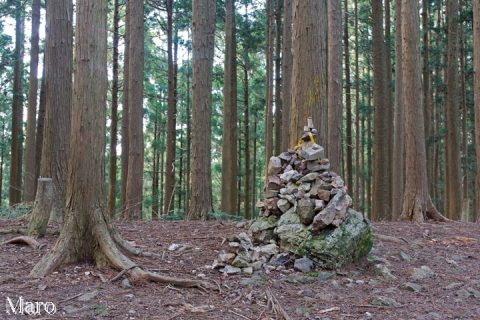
{"x": 305, "y": 212}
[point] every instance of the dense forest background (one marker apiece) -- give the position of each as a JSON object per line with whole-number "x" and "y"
{"x": 248, "y": 102}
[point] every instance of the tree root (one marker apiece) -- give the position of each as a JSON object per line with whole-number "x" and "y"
{"x": 22, "y": 240}
{"x": 13, "y": 230}
{"x": 126, "y": 246}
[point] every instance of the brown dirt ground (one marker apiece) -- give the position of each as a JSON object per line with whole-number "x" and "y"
{"x": 452, "y": 251}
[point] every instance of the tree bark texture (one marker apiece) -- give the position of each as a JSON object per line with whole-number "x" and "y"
{"x": 334, "y": 85}
{"x": 452, "y": 142}
{"x": 112, "y": 190}
{"x": 202, "y": 60}
{"x": 30, "y": 166}
{"x": 287, "y": 63}
{"x": 229, "y": 187}
{"x": 309, "y": 77}
{"x": 381, "y": 179}
{"x": 171, "y": 116}
{"x": 134, "y": 191}
{"x": 58, "y": 73}
{"x": 269, "y": 84}
{"x": 476, "y": 66}
{"x": 278, "y": 78}
{"x": 399, "y": 119}
{"x": 15, "y": 186}
{"x": 42, "y": 208}
{"x": 417, "y": 204}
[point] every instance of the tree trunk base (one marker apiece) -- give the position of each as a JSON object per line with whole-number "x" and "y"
{"x": 106, "y": 251}
{"x": 42, "y": 208}
{"x": 419, "y": 212}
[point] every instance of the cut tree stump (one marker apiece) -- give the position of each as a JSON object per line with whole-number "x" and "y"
{"x": 42, "y": 208}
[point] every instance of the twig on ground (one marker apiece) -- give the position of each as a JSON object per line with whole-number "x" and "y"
{"x": 275, "y": 305}
{"x": 239, "y": 315}
{"x": 383, "y": 237}
{"x": 121, "y": 273}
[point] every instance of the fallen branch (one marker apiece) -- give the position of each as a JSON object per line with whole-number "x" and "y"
{"x": 275, "y": 306}
{"x": 13, "y": 230}
{"x": 25, "y": 240}
{"x": 386, "y": 238}
{"x": 329, "y": 310}
{"x": 239, "y": 315}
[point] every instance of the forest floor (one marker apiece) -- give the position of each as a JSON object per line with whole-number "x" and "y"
{"x": 362, "y": 291}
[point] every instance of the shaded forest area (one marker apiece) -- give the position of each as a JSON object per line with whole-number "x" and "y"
{"x": 262, "y": 88}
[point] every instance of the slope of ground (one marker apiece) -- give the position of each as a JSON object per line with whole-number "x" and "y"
{"x": 381, "y": 287}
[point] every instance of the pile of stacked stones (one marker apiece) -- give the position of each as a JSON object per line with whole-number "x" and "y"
{"x": 305, "y": 213}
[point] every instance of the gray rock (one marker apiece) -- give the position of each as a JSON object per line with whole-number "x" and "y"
{"x": 231, "y": 270}
{"x": 262, "y": 229}
{"x": 306, "y": 210}
{"x": 289, "y": 218}
{"x": 283, "y": 205}
{"x": 332, "y": 248}
{"x": 435, "y": 316}
{"x": 88, "y": 296}
{"x": 268, "y": 194}
{"x": 267, "y": 250}
{"x": 247, "y": 270}
{"x": 405, "y": 257}
{"x": 319, "y": 205}
{"x": 303, "y": 264}
{"x": 381, "y": 301}
{"x": 309, "y": 177}
{"x": 126, "y": 284}
{"x": 288, "y": 175}
{"x": 291, "y": 188}
{"x": 334, "y": 213}
{"x": 256, "y": 280}
{"x": 274, "y": 166}
{"x": 305, "y": 187}
{"x": 286, "y": 156}
{"x": 422, "y": 273}
{"x": 325, "y": 297}
{"x": 280, "y": 259}
{"x": 226, "y": 257}
{"x": 454, "y": 285}
{"x": 325, "y": 275}
{"x": 312, "y": 152}
{"x": 475, "y": 293}
{"x": 463, "y": 294}
{"x": 414, "y": 287}
{"x": 384, "y": 271}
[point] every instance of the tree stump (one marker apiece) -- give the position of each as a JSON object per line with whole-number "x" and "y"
{"x": 42, "y": 208}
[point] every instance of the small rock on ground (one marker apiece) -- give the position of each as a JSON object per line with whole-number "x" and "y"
{"x": 303, "y": 265}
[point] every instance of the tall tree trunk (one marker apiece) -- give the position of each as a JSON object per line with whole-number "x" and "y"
{"x": 171, "y": 117}
{"x": 452, "y": 143}
{"x": 40, "y": 125}
{"x": 229, "y": 140}
{"x": 369, "y": 145}
{"x": 246, "y": 128}
{"x": 58, "y": 77}
{"x": 287, "y": 59}
{"x": 112, "y": 190}
{"x": 254, "y": 169}
{"x": 278, "y": 78}
{"x": 125, "y": 107}
{"x": 357, "y": 194}
{"x": 417, "y": 204}
{"x": 189, "y": 138}
{"x": 348, "y": 98}
{"x": 15, "y": 187}
{"x": 426, "y": 88}
{"x": 134, "y": 190}
{"x": 269, "y": 85}
{"x": 334, "y": 85}
{"x": 203, "y": 51}
{"x": 156, "y": 165}
{"x": 30, "y": 172}
{"x": 2, "y": 159}
{"x": 476, "y": 81}
{"x": 381, "y": 179}
{"x": 389, "y": 103}
{"x": 399, "y": 122}
{"x": 309, "y": 77}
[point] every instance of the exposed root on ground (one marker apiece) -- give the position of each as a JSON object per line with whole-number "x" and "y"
{"x": 107, "y": 250}
{"x": 24, "y": 240}
{"x": 13, "y": 230}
